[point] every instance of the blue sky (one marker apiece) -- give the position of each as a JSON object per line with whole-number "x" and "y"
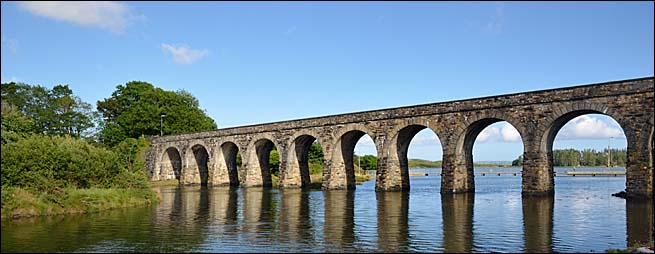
{"x": 257, "y": 62}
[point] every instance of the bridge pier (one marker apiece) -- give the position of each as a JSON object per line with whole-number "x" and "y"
{"x": 455, "y": 177}
{"x": 538, "y": 174}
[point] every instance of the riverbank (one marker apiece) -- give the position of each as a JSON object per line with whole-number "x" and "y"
{"x": 21, "y": 203}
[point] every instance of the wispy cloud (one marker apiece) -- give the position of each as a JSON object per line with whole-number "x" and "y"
{"x": 495, "y": 25}
{"x": 290, "y": 30}
{"x": 587, "y": 127}
{"x": 10, "y": 44}
{"x": 113, "y": 16}
{"x": 183, "y": 54}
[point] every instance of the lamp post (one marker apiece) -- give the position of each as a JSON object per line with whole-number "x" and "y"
{"x": 161, "y": 125}
{"x": 609, "y": 152}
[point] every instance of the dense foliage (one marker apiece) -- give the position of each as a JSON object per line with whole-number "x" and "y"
{"x": 36, "y": 109}
{"x": 47, "y": 168}
{"x": 45, "y": 163}
{"x": 135, "y": 109}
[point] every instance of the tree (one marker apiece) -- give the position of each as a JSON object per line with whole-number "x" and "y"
{"x": 518, "y": 161}
{"x": 53, "y": 111}
{"x": 135, "y": 109}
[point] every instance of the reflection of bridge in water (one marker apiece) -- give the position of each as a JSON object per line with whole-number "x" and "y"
{"x": 286, "y": 217}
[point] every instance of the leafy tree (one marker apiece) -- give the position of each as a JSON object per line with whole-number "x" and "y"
{"x": 274, "y": 162}
{"x": 315, "y": 154}
{"x": 368, "y": 162}
{"x": 134, "y": 110}
{"x": 53, "y": 111}
{"x": 518, "y": 161}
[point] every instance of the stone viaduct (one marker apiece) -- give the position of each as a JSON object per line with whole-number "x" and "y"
{"x": 210, "y": 157}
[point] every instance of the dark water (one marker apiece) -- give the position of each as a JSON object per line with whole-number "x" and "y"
{"x": 581, "y": 217}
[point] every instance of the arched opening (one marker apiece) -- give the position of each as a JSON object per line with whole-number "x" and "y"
{"x": 201, "y": 160}
{"x": 425, "y": 154}
{"x": 586, "y": 139}
{"x": 354, "y": 154}
{"x": 498, "y": 146}
{"x": 268, "y": 160}
{"x": 171, "y": 165}
{"x": 308, "y": 155}
{"x": 231, "y": 158}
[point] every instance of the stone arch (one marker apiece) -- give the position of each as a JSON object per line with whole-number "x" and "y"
{"x": 565, "y": 113}
{"x": 226, "y": 171}
{"x": 464, "y": 142}
{"x": 170, "y": 164}
{"x": 198, "y": 163}
{"x": 562, "y": 114}
{"x": 297, "y": 172}
{"x": 475, "y": 124}
{"x": 399, "y": 144}
{"x": 341, "y": 168}
{"x": 258, "y": 168}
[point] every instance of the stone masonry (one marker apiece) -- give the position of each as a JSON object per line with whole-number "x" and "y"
{"x": 209, "y": 157}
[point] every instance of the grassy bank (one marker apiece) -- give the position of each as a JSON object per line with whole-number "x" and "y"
{"x": 19, "y": 203}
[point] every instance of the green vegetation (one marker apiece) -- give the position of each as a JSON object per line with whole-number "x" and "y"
{"x": 418, "y": 163}
{"x": 584, "y": 158}
{"x": 35, "y": 109}
{"x": 135, "y": 110}
{"x": 59, "y": 156}
{"x": 631, "y": 249}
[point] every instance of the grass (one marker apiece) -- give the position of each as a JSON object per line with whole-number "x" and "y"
{"x": 19, "y": 203}
{"x": 631, "y": 249}
{"x": 169, "y": 182}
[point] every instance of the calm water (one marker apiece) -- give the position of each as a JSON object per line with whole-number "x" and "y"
{"x": 582, "y": 217}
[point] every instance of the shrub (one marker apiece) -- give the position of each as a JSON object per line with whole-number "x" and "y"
{"x": 45, "y": 163}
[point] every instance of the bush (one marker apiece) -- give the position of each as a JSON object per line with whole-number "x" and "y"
{"x": 44, "y": 163}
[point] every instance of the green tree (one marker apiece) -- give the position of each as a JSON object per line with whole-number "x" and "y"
{"x": 315, "y": 154}
{"x": 134, "y": 110}
{"x": 518, "y": 161}
{"x": 53, "y": 111}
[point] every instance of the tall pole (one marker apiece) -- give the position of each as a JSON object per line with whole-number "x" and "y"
{"x": 359, "y": 164}
{"x": 161, "y": 125}
{"x": 609, "y": 153}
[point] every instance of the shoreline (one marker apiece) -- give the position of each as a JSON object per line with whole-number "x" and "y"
{"x": 18, "y": 203}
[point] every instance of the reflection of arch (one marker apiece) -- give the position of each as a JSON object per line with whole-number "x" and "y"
{"x": 228, "y": 152}
{"x": 342, "y": 171}
{"x": 299, "y": 159}
{"x": 403, "y": 139}
{"x": 199, "y": 163}
{"x": 171, "y": 164}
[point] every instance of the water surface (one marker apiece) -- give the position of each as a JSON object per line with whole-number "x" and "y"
{"x": 581, "y": 217}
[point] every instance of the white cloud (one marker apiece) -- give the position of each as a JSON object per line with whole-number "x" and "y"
{"x": 504, "y": 133}
{"x": 587, "y": 127}
{"x": 365, "y": 140}
{"x": 509, "y": 133}
{"x": 109, "y": 15}
{"x": 183, "y": 54}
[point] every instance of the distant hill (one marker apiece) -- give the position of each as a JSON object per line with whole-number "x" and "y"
{"x": 419, "y": 163}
